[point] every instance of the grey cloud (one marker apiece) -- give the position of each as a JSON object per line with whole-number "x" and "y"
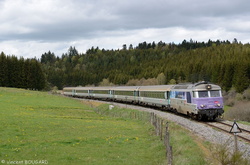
{"x": 75, "y": 19}
{"x": 55, "y": 21}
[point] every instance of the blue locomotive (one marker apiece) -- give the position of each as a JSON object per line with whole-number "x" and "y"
{"x": 201, "y": 100}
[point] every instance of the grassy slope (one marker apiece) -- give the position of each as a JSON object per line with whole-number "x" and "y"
{"x": 187, "y": 148}
{"x": 38, "y": 126}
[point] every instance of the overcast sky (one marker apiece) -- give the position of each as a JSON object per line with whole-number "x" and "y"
{"x": 29, "y": 28}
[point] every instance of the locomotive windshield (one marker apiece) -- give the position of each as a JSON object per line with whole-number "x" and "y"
{"x": 215, "y": 93}
{"x": 202, "y": 94}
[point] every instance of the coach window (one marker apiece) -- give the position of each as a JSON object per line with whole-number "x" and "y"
{"x": 136, "y": 93}
{"x": 82, "y": 91}
{"x": 180, "y": 95}
{"x": 172, "y": 94}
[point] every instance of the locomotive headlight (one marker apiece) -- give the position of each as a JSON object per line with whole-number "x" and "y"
{"x": 202, "y": 106}
{"x": 218, "y": 105}
{"x": 208, "y": 87}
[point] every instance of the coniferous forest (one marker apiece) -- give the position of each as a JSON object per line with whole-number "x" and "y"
{"x": 222, "y": 62}
{"x": 21, "y": 73}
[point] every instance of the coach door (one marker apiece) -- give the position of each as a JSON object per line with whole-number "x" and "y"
{"x": 188, "y": 97}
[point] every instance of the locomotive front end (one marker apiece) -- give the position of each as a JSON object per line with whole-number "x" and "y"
{"x": 209, "y": 101}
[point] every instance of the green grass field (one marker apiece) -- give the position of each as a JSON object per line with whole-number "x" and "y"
{"x": 187, "y": 148}
{"x": 38, "y": 126}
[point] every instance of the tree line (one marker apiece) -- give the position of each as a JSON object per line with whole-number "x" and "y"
{"x": 21, "y": 73}
{"x": 222, "y": 62}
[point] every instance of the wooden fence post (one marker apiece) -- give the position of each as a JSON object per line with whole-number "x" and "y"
{"x": 168, "y": 147}
{"x": 161, "y": 128}
{"x": 156, "y": 125}
{"x": 151, "y": 118}
{"x": 170, "y": 156}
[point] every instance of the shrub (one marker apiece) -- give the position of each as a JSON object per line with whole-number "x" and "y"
{"x": 229, "y": 97}
{"x": 232, "y": 93}
{"x": 241, "y": 111}
{"x": 229, "y": 102}
{"x": 54, "y": 90}
{"x": 232, "y": 97}
{"x": 246, "y": 94}
{"x": 239, "y": 97}
{"x": 222, "y": 154}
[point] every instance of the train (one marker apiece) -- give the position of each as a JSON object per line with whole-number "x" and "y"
{"x": 200, "y": 101}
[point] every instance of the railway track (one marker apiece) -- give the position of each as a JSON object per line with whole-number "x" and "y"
{"x": 226, "y": 127}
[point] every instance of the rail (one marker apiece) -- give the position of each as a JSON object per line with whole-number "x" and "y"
{"x": 225, "y": 127}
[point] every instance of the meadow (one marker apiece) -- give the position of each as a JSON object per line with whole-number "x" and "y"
{"x": 188, "y": 149}
{"x": 37, "y": 126}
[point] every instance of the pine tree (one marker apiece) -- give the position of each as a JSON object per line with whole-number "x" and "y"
{"x": 3, "y": 70}
{"x": 242, "y": 77}
{"x": 228, "y": 76}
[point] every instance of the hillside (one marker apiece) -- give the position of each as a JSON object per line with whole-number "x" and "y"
{"x": 221, "y": 62}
